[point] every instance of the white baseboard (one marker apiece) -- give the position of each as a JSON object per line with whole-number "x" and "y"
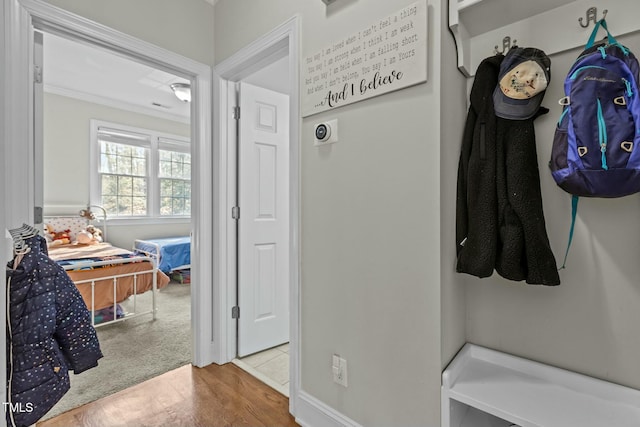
{"x": 310, "y": 412}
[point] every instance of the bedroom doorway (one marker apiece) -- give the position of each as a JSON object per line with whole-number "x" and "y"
{"x": 18, "y": 109}
{"x": 128, "y": 137}
{"x": 19, "y": 124}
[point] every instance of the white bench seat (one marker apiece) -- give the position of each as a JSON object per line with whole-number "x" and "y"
{"x": 531, "y": 394}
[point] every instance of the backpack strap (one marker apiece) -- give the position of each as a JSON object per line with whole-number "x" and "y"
{"x": 574, "y": 211}
{"x": 592, "y": 39}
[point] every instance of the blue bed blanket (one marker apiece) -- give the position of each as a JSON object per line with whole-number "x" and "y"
{"x": 174, "y": 251}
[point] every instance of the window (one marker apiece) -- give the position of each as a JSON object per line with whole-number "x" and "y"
{"x": 140, "y": 173}
{"x": 175, "y": 179}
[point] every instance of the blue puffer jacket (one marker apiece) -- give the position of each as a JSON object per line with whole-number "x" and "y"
{"x": 50, "y": 333}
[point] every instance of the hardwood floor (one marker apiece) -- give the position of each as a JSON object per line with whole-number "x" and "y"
{"x": 191, "y": 397}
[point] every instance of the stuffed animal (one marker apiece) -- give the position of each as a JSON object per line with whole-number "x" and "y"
{"x": 96, "y": 233}
{"x": 61, "y": 238}
{"x": 85, "y": 238}
{"x": 48, "y": 233}
{"x": 90, "y": 236}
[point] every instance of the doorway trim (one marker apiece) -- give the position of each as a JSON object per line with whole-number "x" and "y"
{"x": 279, "y": 42}
{"x": 20, "y": 19}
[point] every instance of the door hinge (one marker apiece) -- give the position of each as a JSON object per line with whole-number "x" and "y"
{"x": 235, "y": 212}
{"x": 37, "y": 215}
{"x": 37, "y": 74}
{"x": 235, "y": 113}
{"x": 235, "y": 312}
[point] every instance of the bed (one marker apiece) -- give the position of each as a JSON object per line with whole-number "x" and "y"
{"x": 173, "y": 253}
{"x": 106, "y": 275}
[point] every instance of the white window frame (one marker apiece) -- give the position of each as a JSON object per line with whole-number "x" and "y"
{"x": 157, "y": 140}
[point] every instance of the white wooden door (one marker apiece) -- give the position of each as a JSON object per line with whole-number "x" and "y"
{"x": 263, "y": 226}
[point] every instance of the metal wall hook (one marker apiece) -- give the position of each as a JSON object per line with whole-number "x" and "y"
{"x": 592, "y": 15}
{"x": 506, "y": 45}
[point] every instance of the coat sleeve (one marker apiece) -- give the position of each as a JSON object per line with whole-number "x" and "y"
{"x": 462, "y": 208}
{"x": 76, "y": 336}
{"x": 476, "y": 210}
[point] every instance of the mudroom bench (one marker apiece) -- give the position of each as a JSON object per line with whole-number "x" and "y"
{"x": 487, "y": 388}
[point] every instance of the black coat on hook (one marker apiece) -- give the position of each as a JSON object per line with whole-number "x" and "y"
{"x": 499, "y": 219}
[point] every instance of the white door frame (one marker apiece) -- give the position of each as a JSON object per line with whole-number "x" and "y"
{"x": 281, "y": 41}
{"x": 20, "y": 17}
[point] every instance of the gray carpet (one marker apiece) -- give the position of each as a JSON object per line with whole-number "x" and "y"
{"x": 137, "y": 349}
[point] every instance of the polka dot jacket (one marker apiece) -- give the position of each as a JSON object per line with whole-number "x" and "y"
{"x": 50, "y": 333}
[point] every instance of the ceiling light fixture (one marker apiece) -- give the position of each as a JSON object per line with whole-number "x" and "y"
{"x": 182, "y": 91}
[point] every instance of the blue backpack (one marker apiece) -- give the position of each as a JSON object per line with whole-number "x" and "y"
{"x": 596, "y": 150}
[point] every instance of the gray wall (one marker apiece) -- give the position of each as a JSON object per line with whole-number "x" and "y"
{"x": 274, "y": 76}
{"x": 66, "y": 165}
{"x": 453, "y": 111}
{"x": 590, "y": 323}
{"x": 184, "y": 27}
{"x": 370, "y": 224}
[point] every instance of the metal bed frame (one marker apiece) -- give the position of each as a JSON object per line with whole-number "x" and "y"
{"x": 114, "y": 277}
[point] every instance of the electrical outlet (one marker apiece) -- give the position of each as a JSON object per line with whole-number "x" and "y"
{"x": 339, "y": 369}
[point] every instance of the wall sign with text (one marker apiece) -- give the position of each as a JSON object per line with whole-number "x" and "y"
{"x": 388, "y": 55}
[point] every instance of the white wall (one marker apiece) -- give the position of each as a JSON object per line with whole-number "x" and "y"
{"x": 590, "y": 323}
{"x": 66, "y": 159}
{"x": 370, "y": 225}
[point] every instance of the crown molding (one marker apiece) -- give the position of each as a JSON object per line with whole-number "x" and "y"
{"x": 114, "y": 103}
